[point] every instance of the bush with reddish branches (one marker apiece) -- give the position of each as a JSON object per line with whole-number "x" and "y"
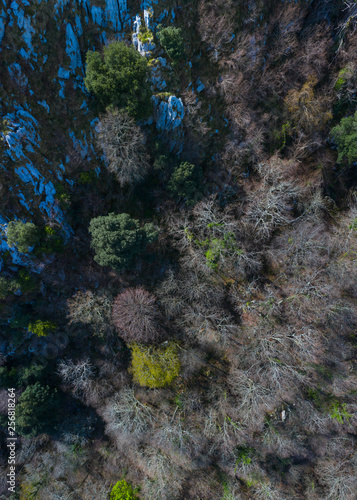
{"x": 136, "y": 316}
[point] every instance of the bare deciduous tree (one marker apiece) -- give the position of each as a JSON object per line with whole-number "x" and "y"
{"x": 164, "y": 477}
{"x": 136, "y": 316}
{"x": 127, "y": 414}
{"x": 254, "y": 399}
{"x": 124, "y": 146}
{"x": 216, "y": 24}
{"x": 168, "y": 293}
{"x": 91, "y": 309}
{"x": 340, "y": 477}
{"x": 272, "y": 203}
{"x": 177, "y": 436}
{"x": 77, "y": 374}
{"x": 266, "y": 491}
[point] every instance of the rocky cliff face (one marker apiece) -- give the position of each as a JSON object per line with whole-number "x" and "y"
{"x": 46, "y": 119}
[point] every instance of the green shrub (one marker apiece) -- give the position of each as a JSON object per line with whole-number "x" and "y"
{"x": 219, "y": 246}
{"x": 62, "y": 195}
{"x": 35, "y": 409}
{"x": 51, "y": 241}
{"x": 338, "y": 412}
{"x": 244, "y": 455}
{"x": 30, "y": 374}
{"x": 185, "y": 181}
{"x": 145, "y": 35}
{"x": 27, "y": 282}
{"x": 345, "y": 136}
{"x": 89, "y": 177}
{"x": 117, "y": 239}
{"x": 281, "y": 136}
{"x": 216, "y": 248}
{"x": 22, "y": 235}
{"x": 329, "y": 404}
{"x": 342, "y": 78}
{"x": 7, "y": 286}
{"x": 161, "y": 164}
{"x": 42, "y": 328}
{"x": 339, "y": 83}
{"x": 119, "y": 77}
{"x": 171, "y": 40}
{"x": 123, "y": 491}
{"x": 154, "y": 367}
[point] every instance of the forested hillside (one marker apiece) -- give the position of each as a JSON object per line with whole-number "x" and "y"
{"x": 178, "y": 229}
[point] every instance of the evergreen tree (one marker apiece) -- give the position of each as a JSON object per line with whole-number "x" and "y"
{"x": 35, "y": 409}
{"x": 119, "y": 77}
{"x": 345, "y": 136}
{"x": 171, "y": 40}
{"x": 185, "y": 181}
{"x": 22, "y": 235}
{"x": 117, "y": 239}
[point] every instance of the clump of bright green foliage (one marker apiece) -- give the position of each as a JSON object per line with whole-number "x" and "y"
{"x": 42, "y": 328}
{"x": 22, "y": 235}
{"x": 216, "y": 247}
{"x": 345, "y": 75}
{"x": 62, "y": 195}
{"x": 244, "y": 455}
{"x": 35, "y": 408}
{"x": 123, "y": 491}
{"x": 154, "y": 366}
{"x": 185, "y": 182}
{"x": 119, "y": 77}
{"x": 7, "y": 286}
{"x": 281, "y": 136}
{"x": 353, "y": 225}
{"x": 145, "y": 35}
{"x": 171, "y": 39}
{"x": 339, "y": 413}
{"x": 117, "y": 239}
{"x": 341, "y": 79}
{"x": 345, "y": 136}
{"x": 329, "y": 405}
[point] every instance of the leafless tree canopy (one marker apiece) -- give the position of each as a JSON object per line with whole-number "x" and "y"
{"x": 123, "y": 144}
{"x": 126, "y": 414}
{"x": 90, "y": 308}
{"x": 136, "y": 316}
{"x": 78, "y": 374}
